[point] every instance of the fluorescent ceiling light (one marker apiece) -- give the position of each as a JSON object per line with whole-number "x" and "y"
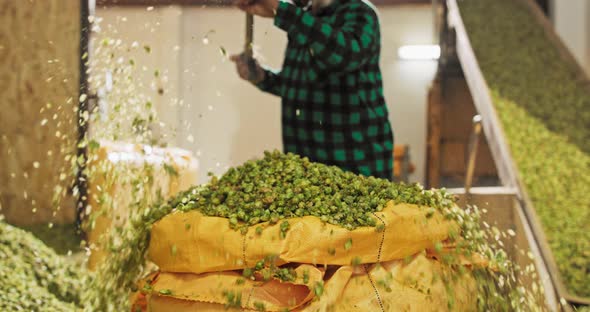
{"x": 419, "y": 52}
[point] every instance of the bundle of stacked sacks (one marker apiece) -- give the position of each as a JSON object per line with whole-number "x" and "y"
{"x": 285, "y": 234}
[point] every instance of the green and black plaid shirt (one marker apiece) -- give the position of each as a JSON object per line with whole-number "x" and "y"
{"x": 333, "y": 109}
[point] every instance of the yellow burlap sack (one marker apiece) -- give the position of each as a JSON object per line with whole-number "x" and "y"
{"x": 111, "y": 161}
{"x": 213, "y": 288}
{"x": 394, "y": 286}
{"x": 193, "y": 243}
{"x": 390, "y": 286}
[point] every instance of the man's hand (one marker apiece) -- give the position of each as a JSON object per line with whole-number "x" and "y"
{"x": 263, "y": 8}
{"x": 248, "y": 68}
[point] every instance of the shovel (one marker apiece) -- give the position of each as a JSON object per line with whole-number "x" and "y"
{"x": 248, "y": 46}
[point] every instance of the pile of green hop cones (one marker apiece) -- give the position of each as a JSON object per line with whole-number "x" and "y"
{"x": 33, "y": 277}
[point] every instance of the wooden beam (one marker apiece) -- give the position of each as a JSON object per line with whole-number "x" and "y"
{"x": 400, "y": 2}
{"x": 433, "y": 153}
{"x": 163, "y": 2}
{"x": 225, "y": 2}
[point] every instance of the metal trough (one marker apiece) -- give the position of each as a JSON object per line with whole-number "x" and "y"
{"x": 508, "y": 206}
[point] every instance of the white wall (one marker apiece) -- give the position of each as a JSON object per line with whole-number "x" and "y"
{"x": 231, "y": 121}
{"x": 572, "y": 22}
{"x": 160, "y": 30}
{"x": 224, "y": 120}
{"x": 406, "y": 83}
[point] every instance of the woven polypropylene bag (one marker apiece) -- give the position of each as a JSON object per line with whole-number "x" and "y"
{"x": 191, "y": 242}
{"x": 416, "y": 285}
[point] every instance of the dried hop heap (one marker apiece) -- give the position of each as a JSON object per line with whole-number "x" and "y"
{"x": 281, "y": 186}
{"x": 33, "y": 277}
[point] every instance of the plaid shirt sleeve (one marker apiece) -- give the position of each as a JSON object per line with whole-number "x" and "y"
{"x": 341, "y": 49}
{"x": 271, "y": 82}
